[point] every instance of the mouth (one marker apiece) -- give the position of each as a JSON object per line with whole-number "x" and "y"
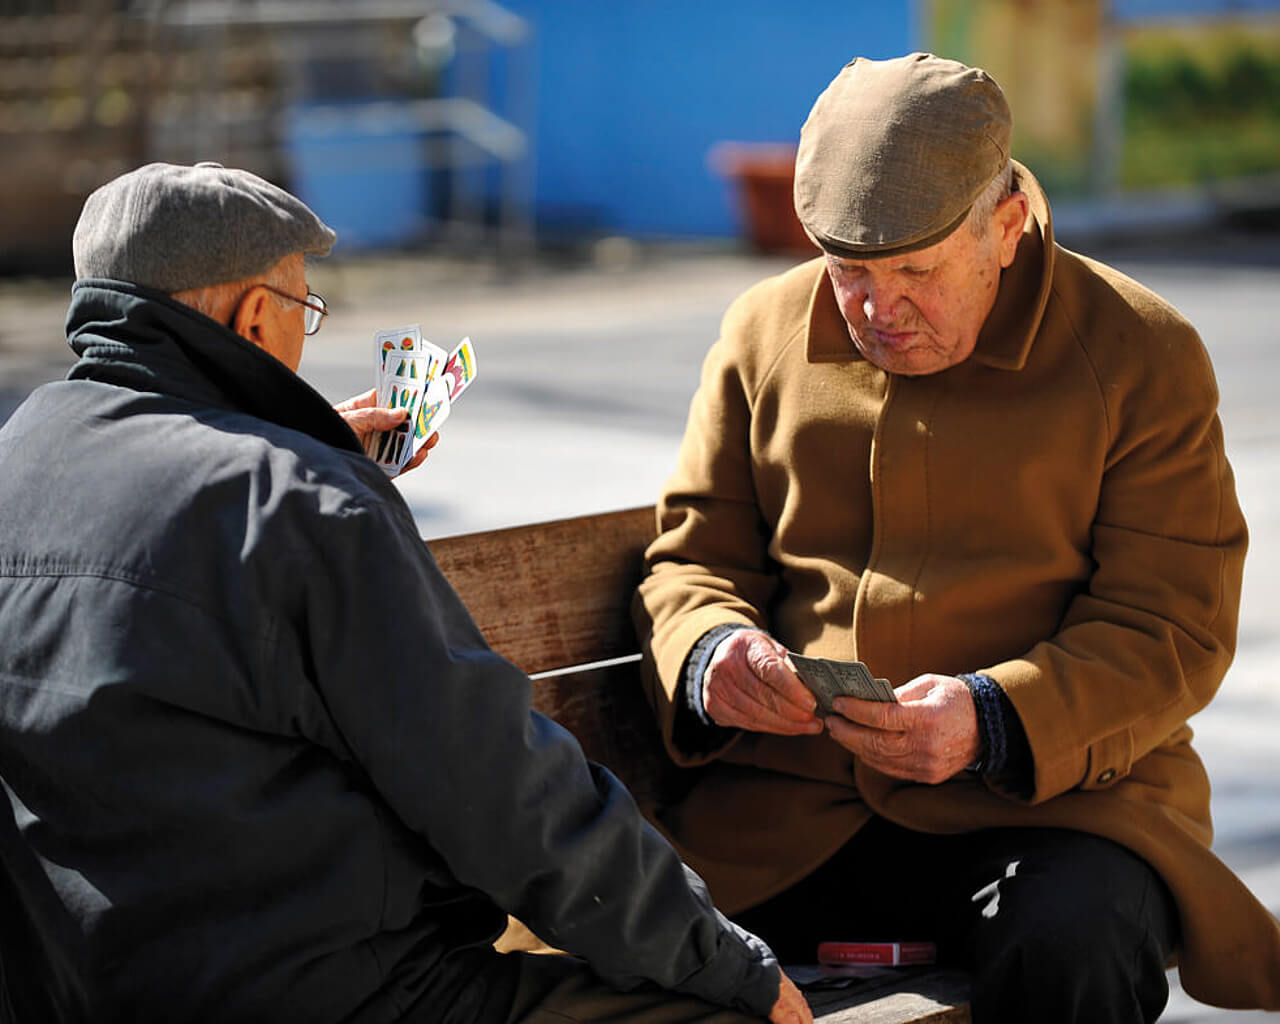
{"x": 891, "y": 339}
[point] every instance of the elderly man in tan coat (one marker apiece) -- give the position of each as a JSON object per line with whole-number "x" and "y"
{"x": 992, "y": 470}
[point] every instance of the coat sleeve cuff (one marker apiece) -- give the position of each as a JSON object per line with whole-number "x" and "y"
{"x": 742, "y": 971}
{"x": 694, "y": 729}
{"x": 1004, "y": 751}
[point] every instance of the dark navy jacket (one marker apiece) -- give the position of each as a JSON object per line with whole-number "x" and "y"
{"x": 252, "y": 737}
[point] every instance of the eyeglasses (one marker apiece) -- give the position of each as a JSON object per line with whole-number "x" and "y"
{"x": 314, "y": 308}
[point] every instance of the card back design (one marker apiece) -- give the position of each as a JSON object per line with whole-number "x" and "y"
{"x": 827, "y": 679}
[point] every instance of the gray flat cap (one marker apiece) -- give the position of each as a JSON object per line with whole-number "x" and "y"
{"x": 895, "y": 152}
{"x": 172, "y": 228}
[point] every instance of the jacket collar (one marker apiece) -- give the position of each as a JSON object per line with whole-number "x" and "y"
{"x": 142, "y": 339}
{"x": 1010, "y": 328}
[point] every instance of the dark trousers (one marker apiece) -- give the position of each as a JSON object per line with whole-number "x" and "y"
{"x": 1052, "y": 925}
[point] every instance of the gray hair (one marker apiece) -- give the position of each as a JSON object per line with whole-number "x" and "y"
{"x": 217, "y": 301}
{"x": 980, "y": 213}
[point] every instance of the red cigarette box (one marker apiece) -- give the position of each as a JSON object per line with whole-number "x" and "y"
{"x": 890, "y": 954}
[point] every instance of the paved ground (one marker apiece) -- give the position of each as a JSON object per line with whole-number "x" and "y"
{"x": 585, "y": 375}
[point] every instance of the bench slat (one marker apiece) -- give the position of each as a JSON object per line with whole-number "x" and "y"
{"x": 934, "y": 995}
{"x": 552, "y": 594}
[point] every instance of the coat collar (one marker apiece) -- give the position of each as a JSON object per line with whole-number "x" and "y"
{"x": 1010, "y": 329}
{"x": 142, "y": 339}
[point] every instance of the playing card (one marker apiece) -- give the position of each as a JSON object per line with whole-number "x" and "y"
{"x": 432, "y": 411}
{"x": 460, "y": 368}
{"x": 402, "y": 388}
{"x": 421, "y": 364}
{"x": 827, "y": 680}
{"x": 403, "y": 340}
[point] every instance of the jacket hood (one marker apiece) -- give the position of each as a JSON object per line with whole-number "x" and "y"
{"x": 137, "y": 338}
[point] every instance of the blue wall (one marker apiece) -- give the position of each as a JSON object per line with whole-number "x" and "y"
{"x": 632, "y": 96}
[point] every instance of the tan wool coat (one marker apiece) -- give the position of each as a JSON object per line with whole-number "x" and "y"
{"x": 1057, "y": 512}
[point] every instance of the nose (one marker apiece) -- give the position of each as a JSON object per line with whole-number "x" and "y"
{"x": 880, "y": 301}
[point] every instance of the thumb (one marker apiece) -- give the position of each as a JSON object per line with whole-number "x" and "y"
{"x": 363, "y": 420}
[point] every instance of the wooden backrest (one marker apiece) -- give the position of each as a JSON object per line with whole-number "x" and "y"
{"x": 555, "y": 599}
{"x": 552, "y": 595}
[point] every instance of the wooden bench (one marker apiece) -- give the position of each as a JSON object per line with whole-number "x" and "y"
{"x": 555, "y": 599}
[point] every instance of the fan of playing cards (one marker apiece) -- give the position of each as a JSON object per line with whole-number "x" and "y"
{"x": 415, "y": 375}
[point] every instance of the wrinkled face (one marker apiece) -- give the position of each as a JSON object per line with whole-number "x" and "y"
{"x": 922, "y": 312}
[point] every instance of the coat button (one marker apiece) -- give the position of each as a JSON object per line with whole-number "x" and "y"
{"x": 1106, "y": 776}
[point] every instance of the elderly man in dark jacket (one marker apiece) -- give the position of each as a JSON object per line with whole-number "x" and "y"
{"x": 260, "y": 764}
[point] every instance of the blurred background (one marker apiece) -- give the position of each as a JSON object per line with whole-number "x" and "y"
{"x": 501, "y": 129}
{"x": 583, "y": 187}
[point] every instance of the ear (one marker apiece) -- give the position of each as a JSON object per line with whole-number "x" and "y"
{"x": 1010, "y": 218}
{"x": 250, "y": 318}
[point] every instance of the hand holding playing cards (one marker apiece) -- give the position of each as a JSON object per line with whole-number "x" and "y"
{"x": 791, "y": 1007}
{"x": 421, "y": 379}
{"x": 929, "y": 735}
{"x": 750, "y": 685}
{"x": 366, "y": 418}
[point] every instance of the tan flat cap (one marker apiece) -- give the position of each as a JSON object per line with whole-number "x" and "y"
{"x": 895, "y": 152}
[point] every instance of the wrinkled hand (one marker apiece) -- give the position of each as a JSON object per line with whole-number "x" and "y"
{"x": 365, "y": 417}
{"x": 928, "y": 736}
{"x": 791, "y": 1007}
{"x": 751, "y": 684}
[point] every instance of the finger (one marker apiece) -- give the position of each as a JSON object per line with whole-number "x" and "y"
{"x": 363, "y": 420}
{"x": 739, "y": 699}
{"x": 787, "y": 681}
{"x": 417, "y": 460}
{"x": 918, "y": 689}
{"x": 889, "y": 752}
{"x": 756, "y": 681}
{"x": 763, "y": 693}
{"x": 904, "y": 755}
{"x": 758, "y": 719}
{"x": 769, "y": 665}
{"x": 420, "y": 456}
{"x": 791, "y": 1007}
{"x": 877, "y": 744}
{"x": 873, "y": 714}
{"x": 360, "y": 401}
